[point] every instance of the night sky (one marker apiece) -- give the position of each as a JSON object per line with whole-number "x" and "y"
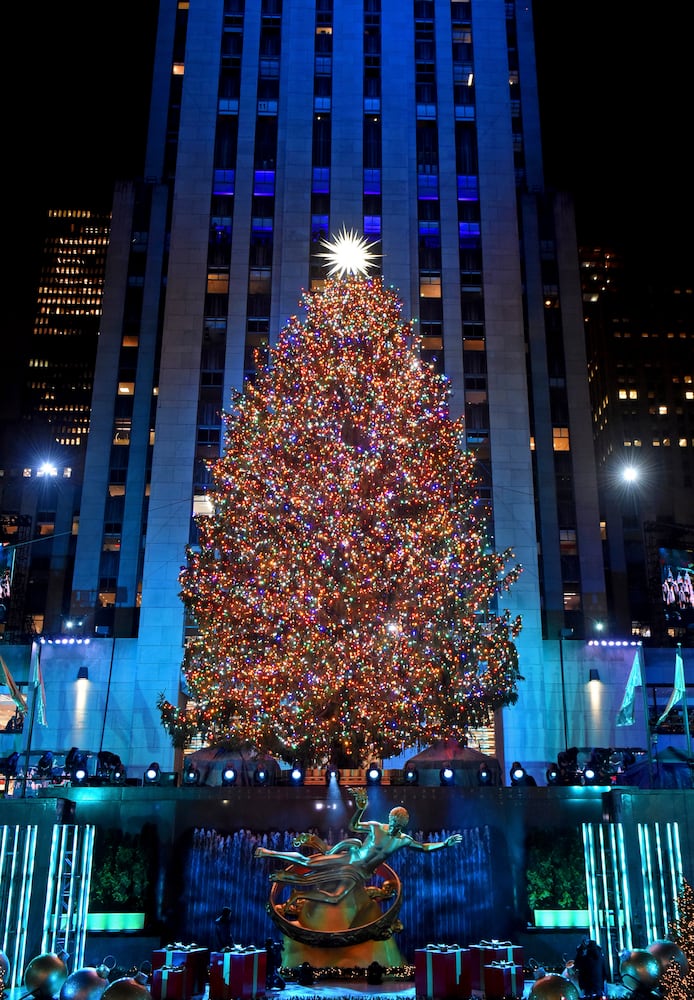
{"x": 616, "y": 120}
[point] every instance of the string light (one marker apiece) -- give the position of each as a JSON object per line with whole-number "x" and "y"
{"x": 344, "y": 590}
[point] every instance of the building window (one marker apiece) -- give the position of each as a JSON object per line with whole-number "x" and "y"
{"x": 560, "y": 439}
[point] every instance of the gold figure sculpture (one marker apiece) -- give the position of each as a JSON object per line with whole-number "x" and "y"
{"x": 330, "y": 904}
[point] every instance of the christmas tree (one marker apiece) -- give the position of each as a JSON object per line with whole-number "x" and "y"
{"x": 344, "y": 589}
{"x": 677, "y": 978}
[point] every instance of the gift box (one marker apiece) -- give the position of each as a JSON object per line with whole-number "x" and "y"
{"x": 169, "y": 983}
{"x": 190, "y": 957}
{"x": 503, "y": 979}
{"x": 237, "y": 973}
{"x": 442, "y": 971}
{"x": 487, "y": 952}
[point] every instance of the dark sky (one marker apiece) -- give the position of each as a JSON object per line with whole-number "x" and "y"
{"x": 614, "y": 87}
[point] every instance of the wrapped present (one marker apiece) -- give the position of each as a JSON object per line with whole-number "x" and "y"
{"x": 503, "y": 979}
{"x": 487, "y": 952}
{"x": 442, "y": 970}
{"x": 169, "y": 983}
{"x": 237, "y": 973}
{"x": 192, "y": 958}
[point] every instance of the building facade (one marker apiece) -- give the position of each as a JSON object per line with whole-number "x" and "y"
{"x": 273, "y": 126}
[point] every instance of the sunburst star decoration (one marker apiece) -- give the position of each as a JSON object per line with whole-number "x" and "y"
{"x": 348, "y": 253}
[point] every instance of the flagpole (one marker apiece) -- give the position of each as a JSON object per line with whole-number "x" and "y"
{"x": 646, "y": 720}
{"x": 685, "y": 706}
{"x": 32, "y": 716}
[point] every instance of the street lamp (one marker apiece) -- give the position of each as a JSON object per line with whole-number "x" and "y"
{"x": 564, "y": 633}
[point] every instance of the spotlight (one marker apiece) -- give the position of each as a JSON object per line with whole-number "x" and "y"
{"x": 519, "y": 776}
{"x": 83, "y": 674}
{"x": 411, "y": 776}
{"x": 76, "y": 766}
{"x": 228, "y": 776}
{"x": 152, "y": 775}
{"x": 373, "y": 774}
{"x": 484, "y": 775}
{"x": 106, "y": 762}
{"x": 117, "y": 776}
{"x": 593, "y": 675}
{"x": 261, "y": 776}
{"x": 332, "y": 774}
{"x": 9, "y": 764}
{"x": 44, "y": 766}
{"x": 447, "y": 776}
{"x": 590, "y": 775}
{"x": 191, "y": 776}
{"x": 552, "y": 774}
{"x": 296, "y": 775}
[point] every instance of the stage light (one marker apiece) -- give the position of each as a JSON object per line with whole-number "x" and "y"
{"x": 590, "y": 775}
{"x": 191, "y": 776}
{"x": 484, "y": 775}
{"x": 78, "y": 769}
{"x": 261, "y": 776}
{"x": 152, "y": 775}
{"x": 76, "y": 766}
{"x": 373, "y": 774}
{"x": 9, "y": 764}
{"x": 411, "y": 776}
{"x": 519, "y": 776}
{"x": 593, "y": 675}
{"x": 447, "y": 776}
{"x": 296, "y": 775}
{"x": 332, "y": 774}
{"x": 228, "y": 776}
{"x": 552, "y": 774}
{"x": 117, "y": 775}
{"x": 83, "y": 674}
{"x": 106, "y": 762}
{"x": 44, "y": 766}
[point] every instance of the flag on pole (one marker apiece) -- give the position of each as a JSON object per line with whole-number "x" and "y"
{"x": 679, "y": 690}
{"x": 37, "y": 684}
{"x": 625, "y": 715}
{"x": 16, "y": 695}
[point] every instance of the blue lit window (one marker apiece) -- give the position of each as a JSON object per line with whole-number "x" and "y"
{"x": 372, "y": 181}
{"x": 372, "y": 225}
{"x": 427, "y": 187}
{"x": 264, "y": 183}
{"x": 468, "y": 187}
{"x": 321, "y": 180}
{"x": 223, "y": 182}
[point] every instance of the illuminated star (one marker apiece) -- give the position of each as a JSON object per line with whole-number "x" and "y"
{"x": 348, "y": 253}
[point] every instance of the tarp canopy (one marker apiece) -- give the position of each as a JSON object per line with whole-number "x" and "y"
{"x": 464, "y": 760}
{"x": 211, "y": 762}
{"x": 671, "y": 768}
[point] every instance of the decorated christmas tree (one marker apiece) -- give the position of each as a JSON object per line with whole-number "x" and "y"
{"x": 344, "y": 589}
{"x": 677, "y": 978}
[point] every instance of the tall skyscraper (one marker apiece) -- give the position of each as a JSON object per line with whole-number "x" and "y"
{"x": 43, "y": 447}
{"x": 273, "y": 126}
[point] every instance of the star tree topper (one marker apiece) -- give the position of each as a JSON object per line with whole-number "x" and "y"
{"x": 348, "y": 253}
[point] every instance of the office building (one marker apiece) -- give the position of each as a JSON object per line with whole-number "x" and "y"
{"x": 273, "y": 126}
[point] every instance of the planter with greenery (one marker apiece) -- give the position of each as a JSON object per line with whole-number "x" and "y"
{"x": 120, "y": 883}
{"x": 556, "y": 878}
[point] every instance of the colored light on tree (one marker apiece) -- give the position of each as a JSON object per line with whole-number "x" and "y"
{"x": 344, "y": 589}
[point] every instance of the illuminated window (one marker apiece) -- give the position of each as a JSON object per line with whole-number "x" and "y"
{"x": 662, "y": 410}
{"x": 633, "y": 394}
{"x": 430, "y": 286}
{"x": 682, "y": 442}
{"x": 177, "y": 69}
{"x": 218, "y": 282}
{"x": 126, "y": 388}
{"x": 560, "y": 439}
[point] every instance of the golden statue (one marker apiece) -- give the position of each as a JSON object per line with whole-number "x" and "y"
{"x": 331, "y": 906}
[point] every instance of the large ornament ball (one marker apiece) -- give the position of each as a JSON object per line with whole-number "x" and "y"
{"x": 83, "y": 984}
{"x": 126, "y": 989}
{"x": 45, "y": 975}
{"x": 639, "y": 969}
{"x": 4, "y": 965}
{"x": 667, "y": 952}
{"x": 554, "y": 988}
